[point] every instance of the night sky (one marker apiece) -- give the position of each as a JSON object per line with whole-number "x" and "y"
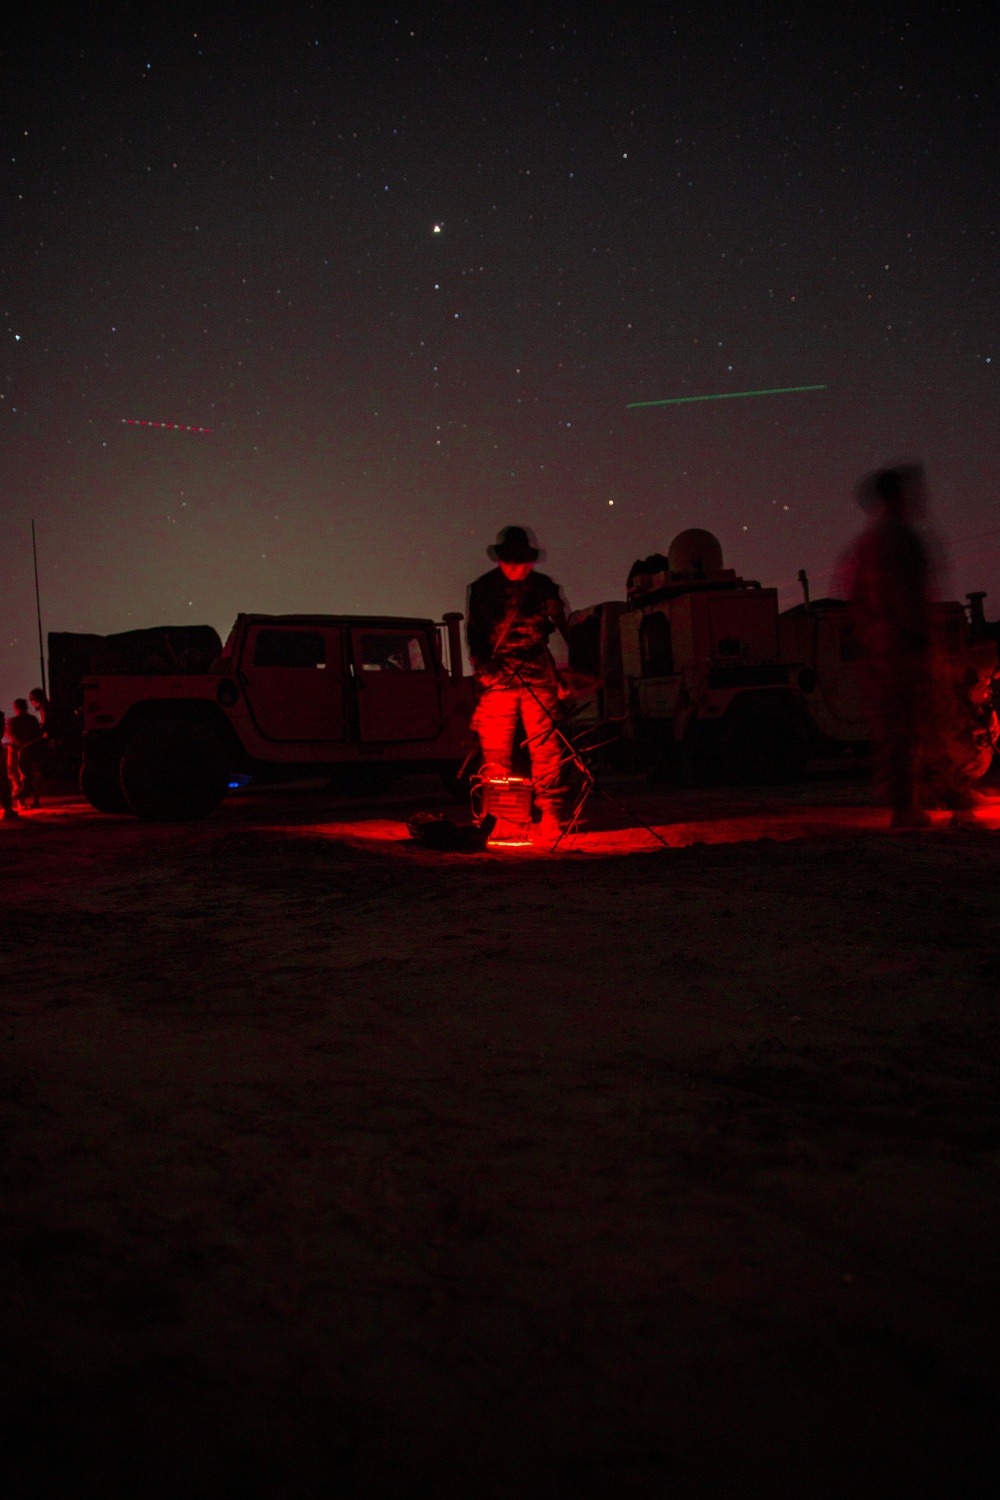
{"x": 410, "y": 272}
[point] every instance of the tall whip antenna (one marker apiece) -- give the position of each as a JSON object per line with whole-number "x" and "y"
{"x": 38, "y": 609}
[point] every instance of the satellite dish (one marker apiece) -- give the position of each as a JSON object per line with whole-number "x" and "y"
{"x": 695, "y": 551}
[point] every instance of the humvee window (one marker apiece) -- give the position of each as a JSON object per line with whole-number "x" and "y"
{"x": 392, "y": 651}
{"x": 289, "y": 648}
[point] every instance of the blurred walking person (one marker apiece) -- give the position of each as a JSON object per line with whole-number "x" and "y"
{"x": 889, "y": 576}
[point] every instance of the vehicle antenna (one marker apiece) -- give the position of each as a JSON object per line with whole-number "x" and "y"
{"x": 804, "y": 580}
{"x": 38, "y": 609}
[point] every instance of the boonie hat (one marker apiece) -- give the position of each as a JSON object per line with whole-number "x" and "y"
{"x": 513, "y": 544}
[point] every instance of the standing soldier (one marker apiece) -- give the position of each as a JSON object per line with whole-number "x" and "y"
{"x": 31, "y": 760}
{"x": 42, "y": 707}
{"x": 23, "y": 729}
{"x": 7, "y": 808}
{"x": 512, "y": 611}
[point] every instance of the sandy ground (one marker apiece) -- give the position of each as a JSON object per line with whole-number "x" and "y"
{"x": 337, "y": 1168}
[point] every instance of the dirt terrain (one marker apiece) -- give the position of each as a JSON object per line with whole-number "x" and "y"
{"x": 334, "y": 1167}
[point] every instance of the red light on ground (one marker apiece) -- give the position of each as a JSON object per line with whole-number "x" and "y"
{"x": 781, "y": 824}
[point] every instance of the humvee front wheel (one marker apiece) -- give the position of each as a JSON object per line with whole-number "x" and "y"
{"x": 173, "y": 772}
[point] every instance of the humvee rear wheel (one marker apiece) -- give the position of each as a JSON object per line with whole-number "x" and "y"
{"x": 764, "y": 743}
{"x": 173, "y": 772}
{"x": 100, "y": 783}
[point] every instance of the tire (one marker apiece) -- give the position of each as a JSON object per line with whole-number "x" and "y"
{"x": 764, "y": 743}
{"x": 174, "y": 772}
{"x": 100, "y": 783}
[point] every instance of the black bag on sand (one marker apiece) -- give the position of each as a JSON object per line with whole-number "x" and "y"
{"x": 435, "y": 831}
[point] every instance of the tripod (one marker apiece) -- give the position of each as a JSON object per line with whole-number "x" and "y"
{"x": 572, "y": 755}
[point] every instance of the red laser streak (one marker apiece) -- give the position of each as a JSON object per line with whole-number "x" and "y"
{"x": 175, "y": 426}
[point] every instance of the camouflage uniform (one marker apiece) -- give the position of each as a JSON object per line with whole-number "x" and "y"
{"x": 509, "y": 625}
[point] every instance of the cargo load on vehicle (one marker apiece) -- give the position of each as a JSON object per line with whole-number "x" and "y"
{"x": 701, "y": 676}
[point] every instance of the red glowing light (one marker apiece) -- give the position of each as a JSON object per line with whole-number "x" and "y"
{"x": 508, "y": 800}
{"x": 176, "y": 426}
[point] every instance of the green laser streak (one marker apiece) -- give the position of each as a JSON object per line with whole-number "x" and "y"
{"x": 781, "y": 390}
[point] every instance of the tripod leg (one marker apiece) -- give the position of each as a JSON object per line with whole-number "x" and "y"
{"x": 581, "y": 764}
{"x": 547, "y": 756}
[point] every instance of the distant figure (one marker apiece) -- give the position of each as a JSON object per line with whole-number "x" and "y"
{"x": 42, "y": 707}
{"x": 889, "y": 577}
{"x": 23, "y": 730}
{"x": 512, "y": 612}
{"x": 7, "y": 808}
{"x": 31, "y": 761}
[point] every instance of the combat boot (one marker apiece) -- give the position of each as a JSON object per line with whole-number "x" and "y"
{"x": 549, "y": 829}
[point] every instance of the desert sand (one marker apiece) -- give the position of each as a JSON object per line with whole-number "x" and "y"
{"x": 334, "y": 1167}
